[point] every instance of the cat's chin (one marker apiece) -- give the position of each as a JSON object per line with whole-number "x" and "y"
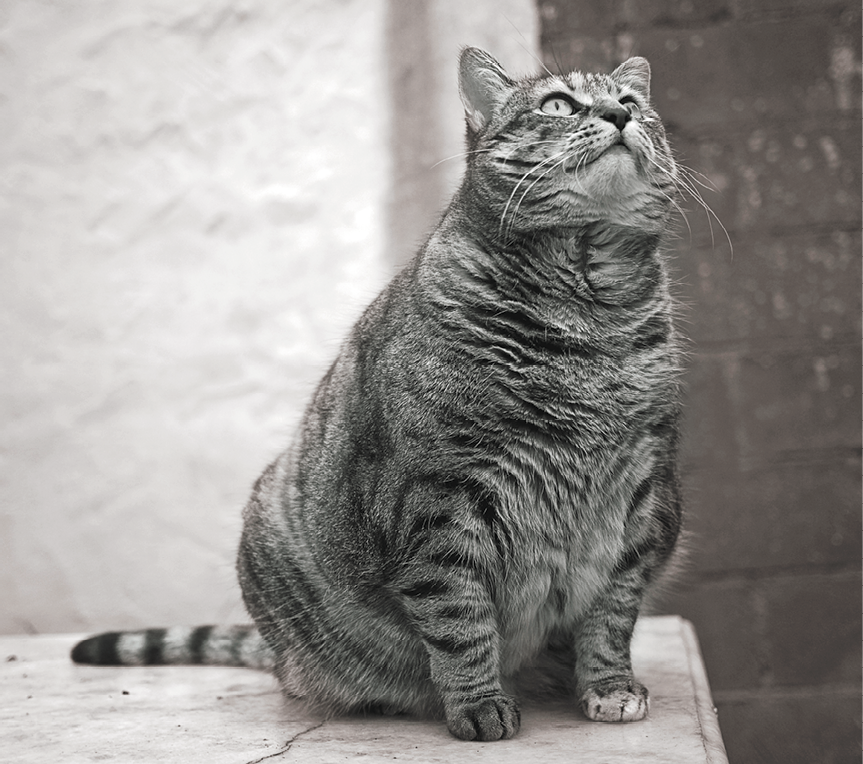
{"x": 617, "y": 163}
{"x": 613, "y": 175}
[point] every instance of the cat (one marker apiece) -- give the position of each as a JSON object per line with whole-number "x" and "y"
{"x": 486, "y": 476}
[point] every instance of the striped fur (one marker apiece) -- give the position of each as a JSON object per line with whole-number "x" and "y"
{"x": 485, "y": 480}
{"x": 183, "y": 645}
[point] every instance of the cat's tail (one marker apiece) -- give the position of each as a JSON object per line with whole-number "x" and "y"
{"x": 178, "y": 645}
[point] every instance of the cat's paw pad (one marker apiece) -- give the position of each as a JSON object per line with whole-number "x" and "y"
{"x": 623, "y": 701}
{"x": 493, "y": 718}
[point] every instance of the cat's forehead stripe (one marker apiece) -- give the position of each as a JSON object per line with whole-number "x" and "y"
{"x": 574, "y": 81}
{"x": 578, "y": 81}
{"x": 583, "y": 86}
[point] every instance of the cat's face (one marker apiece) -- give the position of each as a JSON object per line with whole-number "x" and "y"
{"x": 566, "y": 150}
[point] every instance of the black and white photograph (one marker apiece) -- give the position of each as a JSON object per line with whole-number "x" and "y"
{"x": 430, "y": 381}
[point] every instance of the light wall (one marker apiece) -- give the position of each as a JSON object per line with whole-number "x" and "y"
{"x": 195, "y": 206}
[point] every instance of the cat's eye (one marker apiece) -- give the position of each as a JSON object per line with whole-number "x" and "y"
{"x": 631, "y": 105}
{"x": 559, "y": 105}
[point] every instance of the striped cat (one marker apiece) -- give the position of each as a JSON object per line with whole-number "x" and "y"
{"x": 485, "y": 478}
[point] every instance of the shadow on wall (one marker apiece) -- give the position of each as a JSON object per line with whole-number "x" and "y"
{"x": 762, "y": 100}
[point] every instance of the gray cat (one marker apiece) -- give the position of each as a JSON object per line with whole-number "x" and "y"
{"x": 485, "y": 478}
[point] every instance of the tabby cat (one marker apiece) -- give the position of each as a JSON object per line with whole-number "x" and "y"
{"x": 485, "y": 477}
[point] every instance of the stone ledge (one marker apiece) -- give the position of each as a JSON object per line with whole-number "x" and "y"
{"x": 52, "y": 710}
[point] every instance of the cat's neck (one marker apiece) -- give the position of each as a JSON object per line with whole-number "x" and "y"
{"x": 599, "y": 261}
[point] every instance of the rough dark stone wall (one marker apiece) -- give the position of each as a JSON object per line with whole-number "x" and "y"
{"x": 762, "y": 97}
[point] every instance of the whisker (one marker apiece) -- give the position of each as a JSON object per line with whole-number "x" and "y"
{"x": 711, "y": 216}
{"x": 709, "y": 185}
{"x": 686, "y": 182}
{"x": 460, "y": 155}
{"x": 676, "y": 184}
{"x": 528, "y": 189}
{"x": 523, "y": 179}
{"x": 556, "y": 59}
{"x": 524, "y": 45}
{"x": 696, "y": 195}
{"x": 533, "y": 145}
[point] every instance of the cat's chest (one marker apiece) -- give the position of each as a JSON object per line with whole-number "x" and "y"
{"x": 551, "y": 580}
{"x": 567, "y": 506}
{"x": 573, "y": 408}
{"x": 567, "y": 514}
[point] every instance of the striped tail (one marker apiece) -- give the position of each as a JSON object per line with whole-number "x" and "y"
{"x": 178, "y": 645}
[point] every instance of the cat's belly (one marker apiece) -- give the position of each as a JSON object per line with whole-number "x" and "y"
{"x": 567, "y": 517}
{"x": 547, "y": 591}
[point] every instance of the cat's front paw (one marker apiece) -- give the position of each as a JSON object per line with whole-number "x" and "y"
{"x": 623, "y": 700}
{"x": 493, "y": 718}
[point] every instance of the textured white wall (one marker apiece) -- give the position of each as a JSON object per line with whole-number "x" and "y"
{"x": 192, "y": 214}
{"x": 190, "y": 219}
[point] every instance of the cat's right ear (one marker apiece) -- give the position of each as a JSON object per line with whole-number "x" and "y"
{"x": 483, "y": 85}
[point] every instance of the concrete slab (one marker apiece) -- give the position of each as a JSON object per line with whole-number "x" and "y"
{"x": 52, "y": 710}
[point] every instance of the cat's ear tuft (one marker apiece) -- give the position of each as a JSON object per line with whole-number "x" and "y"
{"x": 483, "y": 85}
{"x": 634, "y": 73}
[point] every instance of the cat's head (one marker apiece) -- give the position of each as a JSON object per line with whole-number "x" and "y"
{"x": 566, "y": 150}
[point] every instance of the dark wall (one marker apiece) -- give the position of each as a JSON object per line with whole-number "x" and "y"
{"x": 763, "y": 98}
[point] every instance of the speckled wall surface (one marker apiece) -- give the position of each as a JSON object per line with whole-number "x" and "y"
{"x": 192, "y": 215}
{"x": 762, "y": 101}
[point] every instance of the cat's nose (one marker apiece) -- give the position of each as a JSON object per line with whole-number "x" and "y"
{"x": 617, "y": 115}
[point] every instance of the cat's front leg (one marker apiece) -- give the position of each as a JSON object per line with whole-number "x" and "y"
{"x": 606, "y": 689}
{"x": 459, "y": 632}
{"x": 445, "y": 591}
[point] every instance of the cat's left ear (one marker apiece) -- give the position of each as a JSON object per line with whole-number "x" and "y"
{"x": 634, "y": 73}
{"x": 483, "y": 85}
